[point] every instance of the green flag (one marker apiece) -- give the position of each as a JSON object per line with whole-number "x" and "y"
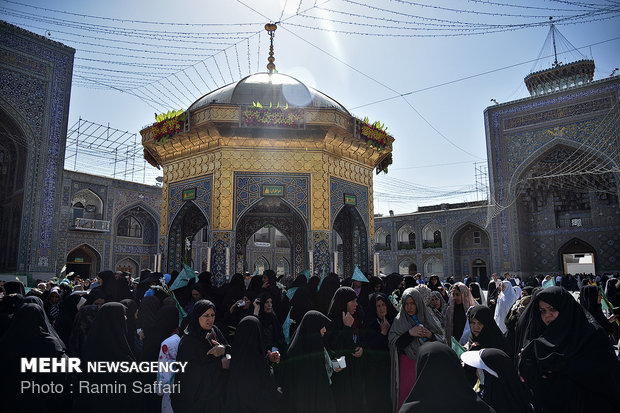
{"x": 548, "y": 283}
{"x": 291, "y": 292}
{"x": 322, "y": 278}
{"x": 183, "y": 278}
{"x": 286, "y": 328}
{"x": 605, "y": 303}
{"x": 358, "y": 275}
{"x": 182, "y": 313}
{"x": 458, "y": 349}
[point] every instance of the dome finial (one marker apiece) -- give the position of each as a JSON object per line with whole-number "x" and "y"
{"x": 271, "y": 28}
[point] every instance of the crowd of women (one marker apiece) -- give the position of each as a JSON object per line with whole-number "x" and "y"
{"x": 320, "y": 344}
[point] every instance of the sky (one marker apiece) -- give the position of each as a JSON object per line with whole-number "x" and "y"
{"x": 451, "y": 58}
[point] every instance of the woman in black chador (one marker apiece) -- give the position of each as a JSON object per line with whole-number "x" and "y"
{"x": 568, "y": 361}
{"x": 204, "y": 348}
{"x": 251, "y": 385}
{"x": 308, "y": 371}
{"x": 107, "y": 341}
{"x": 503, "y": 390}
{"x": 343, "y": 339}
{"x": 438, "y": 368}
{"x": 484, "y": 330}
{"x": 380, "y": 315}
{"x": 29, "y": 336}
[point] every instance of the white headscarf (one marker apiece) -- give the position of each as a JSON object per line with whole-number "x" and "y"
{"x": 504, "y": 303}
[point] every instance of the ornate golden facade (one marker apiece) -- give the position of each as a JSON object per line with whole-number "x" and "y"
{"x": 216, "y": 144}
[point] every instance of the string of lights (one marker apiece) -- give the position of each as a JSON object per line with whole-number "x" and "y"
{"x": 132, "y": 21}
{"x": 190, "y": 52}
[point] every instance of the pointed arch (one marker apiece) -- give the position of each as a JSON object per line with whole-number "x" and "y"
{"x": 433, "y": 265}
{"x": 84, "y": 260}
{"x": 547, "y": 148}
{"x": 432, "y": 236}
{"x": 283, "y": 267}
{"x": 14, "y": 200}
{"x": 280, "y": 214}
{"x": 86, "y": 203}
{"x": 407, "y": 266}
{"x": 187, "y": 222}
{"x": 128, "y": 264}
{"x": 136, "y": 221}
{"x": 577, "y": 256}
{"x": 352, "y": 229}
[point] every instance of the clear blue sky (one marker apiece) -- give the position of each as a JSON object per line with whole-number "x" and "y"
{"x": 355, "y": 69}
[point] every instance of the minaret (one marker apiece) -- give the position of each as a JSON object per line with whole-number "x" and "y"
{"x": 561, "y": 75}
{"x": 271, "y": 29}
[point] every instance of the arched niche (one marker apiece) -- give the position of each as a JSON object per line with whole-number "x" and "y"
{"x": 350, "y": 226}
{"x": 433, "y": 265}
{"x": 185, "y": 225}
{"x": 432, "y": 236}
{"x": 406, "y": 237}
{"x": 85, "y": 203}
{"x": 407, "y": 267}
{"x": 13, "y": 158}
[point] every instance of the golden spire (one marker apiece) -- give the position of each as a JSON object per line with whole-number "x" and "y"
{"x": 271, "y": 28}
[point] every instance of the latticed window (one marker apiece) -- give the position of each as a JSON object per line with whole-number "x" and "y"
{"x": 576, "y": 222}
{"x": 477, "y": 238}
{"x": 130, "y": 227}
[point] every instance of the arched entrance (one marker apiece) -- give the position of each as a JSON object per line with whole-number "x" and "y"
{"x": 471, "y": 249}
{"x": 84, "y": 261}
{"x": 13, "y": 155}
{"x": 272, "y": 212}
{"x": 268, "y": 245}
{"x": 479, "y": 272}
{"x": 350, "y": 226}
{"x": 577, "y": 257}
{"x": 186, "y": 224}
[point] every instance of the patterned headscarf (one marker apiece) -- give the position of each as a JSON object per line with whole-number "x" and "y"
{"x": 468, "y": 301}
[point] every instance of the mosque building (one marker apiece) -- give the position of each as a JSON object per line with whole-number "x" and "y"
{"x": 269, "y": 173}
{"x": 51, "y": 217}
{"x": 554, "y": 170}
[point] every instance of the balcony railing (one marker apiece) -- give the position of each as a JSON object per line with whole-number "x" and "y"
{"x": 87, "y": 224}
{"x": 574, "y": 222}
{"x": 406, "y": 246}
{"x": 431, "y": 244}
{"x": 382, "y": 247}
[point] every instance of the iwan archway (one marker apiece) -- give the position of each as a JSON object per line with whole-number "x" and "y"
{"x": 351, "y": 229}
{"x": 271, "y": 211}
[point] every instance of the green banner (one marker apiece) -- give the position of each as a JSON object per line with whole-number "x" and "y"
{"x": 189, "y": 194}
{"x": 273, "y": 190}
